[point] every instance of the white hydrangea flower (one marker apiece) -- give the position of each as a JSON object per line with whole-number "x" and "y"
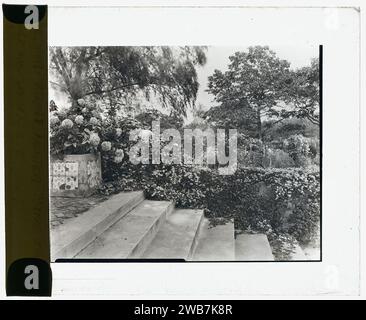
{"x": 118, "y": 132}
{"x": 79, "y": 119}
{"x": 67, "y": 123}
{"x": 106, "y": 146}
{"x": 94, "y": 139}
{"x": 119, "y": 153}
{"x": 118, "y": 159}
{"x": 94, "y": 121}
{"x": 54, "y": 120}
{"x": 81, "y": 102}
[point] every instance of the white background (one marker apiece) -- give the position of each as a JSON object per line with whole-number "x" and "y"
{"x": 339, "y": 32}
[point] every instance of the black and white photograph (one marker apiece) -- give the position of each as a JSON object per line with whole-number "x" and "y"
{"x": 185, "y": 153}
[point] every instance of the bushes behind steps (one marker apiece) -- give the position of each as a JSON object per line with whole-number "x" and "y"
{"x": 283, "y": 201}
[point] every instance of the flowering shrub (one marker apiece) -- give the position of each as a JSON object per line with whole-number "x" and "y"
{"x": 71, "y": 131}
{"x": 83, "y": 129}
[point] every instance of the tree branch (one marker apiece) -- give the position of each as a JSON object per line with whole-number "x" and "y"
{"x": 59, "y": 85}
{"x": 111, "y": 89}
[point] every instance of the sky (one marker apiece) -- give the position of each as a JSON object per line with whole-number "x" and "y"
{"x": 218, "y": 58}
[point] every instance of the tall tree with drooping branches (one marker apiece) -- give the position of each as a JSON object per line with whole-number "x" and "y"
{"x": 115, "y": 75}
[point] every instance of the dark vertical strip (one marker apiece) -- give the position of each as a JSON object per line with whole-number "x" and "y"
{"x": 321, "y": 145}
{"x": 26, "y": 152}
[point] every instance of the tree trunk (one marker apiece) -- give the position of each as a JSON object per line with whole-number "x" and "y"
{"x": 260, "y": 137}
{"x": 259, "y": 125}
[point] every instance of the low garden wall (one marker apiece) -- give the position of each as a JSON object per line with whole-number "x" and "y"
{"x": 75, "y": 175}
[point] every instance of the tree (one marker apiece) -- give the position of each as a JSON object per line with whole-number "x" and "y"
{"x": 115, "y": 74}
{"x": 303, "y": 93}
{"x": 167, "y": 121}
{"x": 233, "y": 114}
{"x": 256, "y": 80}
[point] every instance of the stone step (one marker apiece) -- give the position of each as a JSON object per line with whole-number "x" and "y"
{"x": 177, "y": 238}
{"x": 75, "y": 234}
{"x": 252, "y": 247}
{"x": 215, "y": 243}
{"x": 130, "y": 236}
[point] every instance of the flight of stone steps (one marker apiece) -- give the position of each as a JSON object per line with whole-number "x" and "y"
{"x": 127, "y": 226}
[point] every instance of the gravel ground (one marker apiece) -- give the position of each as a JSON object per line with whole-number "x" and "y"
{"x": 63, "y": 208}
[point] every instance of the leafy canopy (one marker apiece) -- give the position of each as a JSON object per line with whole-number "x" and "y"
{"x": 256, "y": 77}
{"x": 303, "y": 95}
{"x": 114, "y": 75}
{"x": 260, "y": 87}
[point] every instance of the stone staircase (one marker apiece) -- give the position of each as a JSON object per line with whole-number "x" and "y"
{"x": 127, "y": 226}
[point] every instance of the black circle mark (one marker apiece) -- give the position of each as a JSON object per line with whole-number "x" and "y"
{"x": 16, "y": 276}
{"x": 15, "y": 13}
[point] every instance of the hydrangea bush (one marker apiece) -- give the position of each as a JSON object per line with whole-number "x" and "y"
{"x": 75, "y": 130}
{"x": 83, "y": 129}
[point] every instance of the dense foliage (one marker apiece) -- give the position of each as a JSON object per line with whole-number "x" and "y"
{"x": 257, "y": 199}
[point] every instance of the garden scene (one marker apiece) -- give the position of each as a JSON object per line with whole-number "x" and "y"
{"x": 99, "y": 95}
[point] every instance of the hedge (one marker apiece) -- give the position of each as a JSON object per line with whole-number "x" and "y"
{"x": 258, "y": 199}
